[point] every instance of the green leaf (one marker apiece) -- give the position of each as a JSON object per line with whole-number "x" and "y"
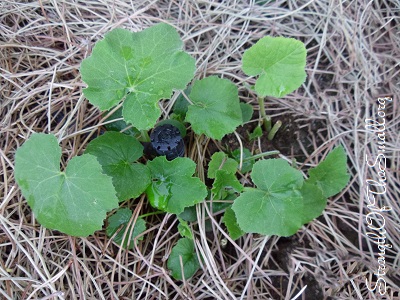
{"x": 247, "y": 112}
{"x": 139, "y": 68}
{"x": 220, "y": 161}
{"x": 231, "y": 224}
{"x": 184, "y": 229}
{"x": 314, "y": 202}
{"x": 247, "y": 165}
{"x": 74, "y": 201}
{"x": 117, "y": 153}
{"x": 223, "y": 181}
{"x": 276, "y": 206}
{"x": 183, "y": 255}
{"x": 280, "y": 63}
{"x": 331, "y": 174}
{"x": 257, "y": 132}
{"x": 120, "y": 220}
{"x": 120, "y": 125}
{"x": 173, "y": 188}
{"x": 216, "y": 110}
{"x": 189, "y": 214}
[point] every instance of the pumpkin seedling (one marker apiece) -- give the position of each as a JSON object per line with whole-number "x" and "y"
{"x": 136, "y": 70}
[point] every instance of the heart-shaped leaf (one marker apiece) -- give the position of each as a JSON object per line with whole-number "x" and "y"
{"x": 74, "y": 201}
{"x": 280, "y": 63}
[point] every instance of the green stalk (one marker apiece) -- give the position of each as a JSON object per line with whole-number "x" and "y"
{"x": 152, "y": 213}
{"x": 267, "y": 123}
{"x": 144, "y": 136}
{"x": 274, "y": 130}
{"x": 256, "y": 156}
{"x": 265, "y": 118}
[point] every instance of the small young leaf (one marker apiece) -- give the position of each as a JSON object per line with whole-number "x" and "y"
{"x": 276, "y": 206}
{"x": 184, "y": 229}
{"x": 257, "y": 132}
{"x": 173, "y": 188}
{"x": 246, "y": 165}
{"x": 223, "y": 181}
{"x": 247, "y": 111}
{"x": 120, "y": 220}
{"x": 183, "y": 255}
{"x": 216, "y": 109}
{"x": 139, "y": 68}
{"x": 74, "y": 201}
{"x": 280, "y": 63}
{"x": 231, "y": 224}
{"x": 116, "y": 152}
{"x": 220, "y": 161}
{"x": 331, "y": 174}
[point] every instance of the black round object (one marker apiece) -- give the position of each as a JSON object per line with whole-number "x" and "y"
{"x": 167, "y": 140}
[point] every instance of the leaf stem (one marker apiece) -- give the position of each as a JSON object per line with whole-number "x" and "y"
{"x": 152, "y": 213}
{"x": 144, "y": 136}
{"x": 266, "y": 119}
{"x": 274, "y": 130}
{"x": 256, "y": 156}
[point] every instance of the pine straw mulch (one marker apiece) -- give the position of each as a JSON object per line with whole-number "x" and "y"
{"x": 353, "y": 58}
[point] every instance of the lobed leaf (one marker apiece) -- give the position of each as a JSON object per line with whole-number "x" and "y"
{"x": 74, "y": 201}
{"x": 173, "y": 188}
{"x": 139, "y": 68}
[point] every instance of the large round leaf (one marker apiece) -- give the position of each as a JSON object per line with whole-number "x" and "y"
{"x": 280, "y": 63}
